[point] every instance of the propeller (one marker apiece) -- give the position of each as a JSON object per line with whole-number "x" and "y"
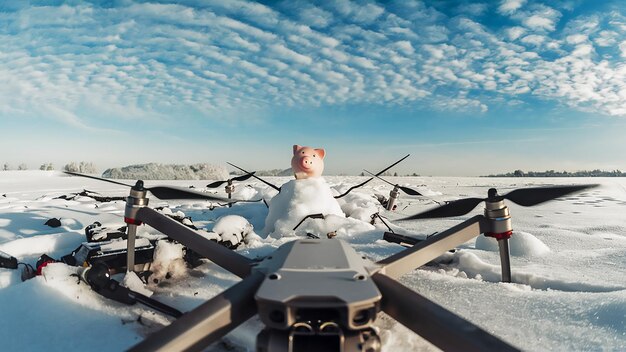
{"x": 524, "y": 196}
{"x": 161, "y": 192}
{"x": 230, "y": 180}
{"x": 258, "y": 178}
{"x": 406, "y": 190}
{"x": 371, "y": 178}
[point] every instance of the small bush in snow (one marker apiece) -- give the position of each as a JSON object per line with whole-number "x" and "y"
{"x": 82, "y": 167}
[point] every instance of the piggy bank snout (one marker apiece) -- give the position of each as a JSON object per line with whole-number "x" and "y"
{"x": 306, "y": 162}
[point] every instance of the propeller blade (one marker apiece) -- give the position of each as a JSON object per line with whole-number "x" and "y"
{"x": 166, "y": 192}
{"x": 238, "y": 178}
{"x": 454, "y": 208}
{"x": 380, "y": 178}
{"x": 433, "y": 322}
{"x": 96, "y": 178}
{"x": 258, "y": 178}
{"x": 371, "y": 178}
{"x": 532, "y": 196}
{"x": 406, "y": 190}
{"x": 216, "y": 184}
{"x": 409, "y": 191}
{"x": 244, "y": 177}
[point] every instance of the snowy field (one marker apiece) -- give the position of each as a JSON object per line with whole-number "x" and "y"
{"x": 568, "y": 262}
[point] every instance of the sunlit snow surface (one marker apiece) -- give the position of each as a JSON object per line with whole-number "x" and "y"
{"x": 569, "y": 262}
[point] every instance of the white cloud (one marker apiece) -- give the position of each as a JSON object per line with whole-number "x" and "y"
{"x": 405, "y": 46}
{"x": 583, "y": 50}
{"x": 606, "y": 38}
{"x": 358, "y": 11}
{"x": 539, "y": 22}
{"x": 290, "y": 55}
{"x": 533, "y": 39}
{"x": 508, "y": 7}
{"x": 576, "y": 39}
{"x": 622, "y": 48}
{"x": 514, "y": 33}
{"x": 476, "y": 9}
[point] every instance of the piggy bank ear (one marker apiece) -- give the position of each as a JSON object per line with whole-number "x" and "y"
{"x": 321, "y": 153}
{"x": 296, "y": 148}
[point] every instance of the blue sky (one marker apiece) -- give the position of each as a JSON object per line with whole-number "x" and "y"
{"x": 465, "y": 87}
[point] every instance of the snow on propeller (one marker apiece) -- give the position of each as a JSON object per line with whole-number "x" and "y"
{"x": 314, "y": 294}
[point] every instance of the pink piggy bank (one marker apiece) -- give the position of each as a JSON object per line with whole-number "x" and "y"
{"x": 307, "y": 162}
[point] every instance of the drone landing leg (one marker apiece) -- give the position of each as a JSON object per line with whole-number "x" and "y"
{"x": 436, "y": 324}
{"x": 429, "y": 249}
{"x": 130, "y": 253}
{"x": 505, "y": 261}
{"x": 196, "y": 330}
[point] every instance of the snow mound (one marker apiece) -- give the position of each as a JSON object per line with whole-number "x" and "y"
{"x": 521, "y": 244}
{"x": 296, "y": 200}
{"x": 133, "y": 282}
{"x": 245, "y": 193}
{"x": 233, "y": 228}
{"x": 359, "y": 206}
{"x": 168, "y": 261}
{"x": 469, "y": 265}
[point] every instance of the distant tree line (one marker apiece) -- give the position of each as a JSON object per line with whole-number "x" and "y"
{"x": 157, "y": 171}
{"x": 82, "y": 167}
{"x": 552, "y": 173}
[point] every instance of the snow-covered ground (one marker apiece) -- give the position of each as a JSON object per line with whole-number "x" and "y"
{"x": 568, "y": 262}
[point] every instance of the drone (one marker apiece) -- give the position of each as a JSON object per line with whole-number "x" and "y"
{"x": 320, "y": 294}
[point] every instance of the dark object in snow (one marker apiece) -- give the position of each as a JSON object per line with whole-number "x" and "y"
{"x": 7, "y": 261}
{"x": 112, "y": 253}
{"x": 86, "y": 193}
{"x": 43, "y": 261}
{"x": 28, "y": 272}
{"x": 95, "y": 232}
{"x": 99, "y": 278}
{"x": 54, "y": 222}
{"x": 229, "y": 244}
{"x": 4, "y": 195}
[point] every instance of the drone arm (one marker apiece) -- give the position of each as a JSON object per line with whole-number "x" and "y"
{"x": 429, "y": 249}
{"x": 441, "y": 327}
{"x": 220, "y": 255}
{"x": 196, "y": 330}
